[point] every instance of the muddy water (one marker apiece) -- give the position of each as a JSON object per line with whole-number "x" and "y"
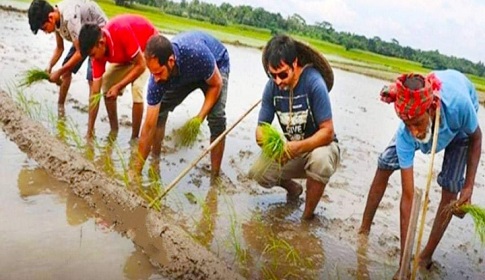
{"x": 48, "y": 232}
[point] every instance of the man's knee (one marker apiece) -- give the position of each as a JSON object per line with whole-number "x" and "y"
{"x": 323, "y": 163}
{"x": 217, "y": 126}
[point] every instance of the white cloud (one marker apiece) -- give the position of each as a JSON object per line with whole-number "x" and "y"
{"x": 450, "y": 26}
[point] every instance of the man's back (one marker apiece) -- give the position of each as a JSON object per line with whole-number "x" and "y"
{"x": 75, "y": 13}
{"x": 195, "y": 43}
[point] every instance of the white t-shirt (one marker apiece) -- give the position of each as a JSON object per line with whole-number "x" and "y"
{"x": 75, "y": 13}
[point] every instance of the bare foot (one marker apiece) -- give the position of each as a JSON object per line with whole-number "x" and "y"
{"x": 308, "y": 217}
{"x": 364, "y": 230}
{"x": 396, "y": 275}
{"x": 425, "y": 263}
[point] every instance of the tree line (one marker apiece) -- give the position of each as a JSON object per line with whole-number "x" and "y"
{"x": 226, "y": 14}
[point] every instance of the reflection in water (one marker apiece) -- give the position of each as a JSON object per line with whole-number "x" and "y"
{"x": 205, "y": 227}
{"x": 285, "y": 249}
{"x": 33, "y": 182}
{"x": 362, "y": 260}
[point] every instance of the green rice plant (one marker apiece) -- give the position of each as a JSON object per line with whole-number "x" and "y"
{"x": 33, "y": 76}
{"x": 28, "y": 104}
{"x": 242, "y": 254}
{"x": 272, "y": 142}
{"x": 187, "y": 134}
{"x": 95, "y": 99}
{"x": 478, "y": 216}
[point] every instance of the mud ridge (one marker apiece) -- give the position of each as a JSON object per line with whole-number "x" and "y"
{"x": 168, "y": 246}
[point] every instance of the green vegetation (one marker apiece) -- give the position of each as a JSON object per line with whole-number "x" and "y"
{"x": 95, "y": 99}
{"x": 187, "y": 134}
{"x": 478, "y": 215}
{"x": 32, "y": 76}
{"x": 272, "y": 142}
{"x": 340, "y": 55}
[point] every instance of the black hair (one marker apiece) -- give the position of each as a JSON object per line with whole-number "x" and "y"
{"x": 158, "y": 46}
{"x": 38, "y": 12}
{"x": 280, "y": 48}
{"x": 88, "y": 37}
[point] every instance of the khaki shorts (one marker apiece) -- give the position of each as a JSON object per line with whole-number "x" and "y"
{"x": 319, "y": 164}
{"x": 116, "y": 72}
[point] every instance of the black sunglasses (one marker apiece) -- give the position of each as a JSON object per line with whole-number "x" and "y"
{"x": 282, "y": 75}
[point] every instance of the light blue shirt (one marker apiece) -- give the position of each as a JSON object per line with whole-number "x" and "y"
{"x": 459, "y": 106}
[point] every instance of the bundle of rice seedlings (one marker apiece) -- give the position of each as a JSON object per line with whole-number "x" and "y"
{"x": 272, "y": 142}
{"x": 95, "y": 99}
{"x": 187, "y": 134}
{"x": 32, "y": 76}
{"x": 478, "y": 215}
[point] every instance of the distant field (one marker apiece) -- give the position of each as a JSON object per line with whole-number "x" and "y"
{"x": 366, "y": 63}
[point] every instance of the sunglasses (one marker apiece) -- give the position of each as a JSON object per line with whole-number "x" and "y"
{"x": 282, "y": 75}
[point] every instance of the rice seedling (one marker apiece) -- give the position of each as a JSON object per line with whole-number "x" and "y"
{"x": 28, "y": 104}
{"x": 95, "y": 99}
{"x": 478, "y": 216}
{"x": 191, "y": 197}
{"x": 272, "y": 142}
{"x": 242, "y": 254}
{"x": 187, "y": 134}
{"x": 32, "y": 76}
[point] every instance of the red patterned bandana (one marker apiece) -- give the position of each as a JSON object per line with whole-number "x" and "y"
{"x": 410, "y": 103}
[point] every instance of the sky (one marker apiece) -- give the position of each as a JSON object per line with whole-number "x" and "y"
{"x": 453, "y": 27}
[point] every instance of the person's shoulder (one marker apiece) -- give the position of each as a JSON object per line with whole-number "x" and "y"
{"x": 311, "y": 75}
{"x": 69, "y": 8}
{"x": 454, "y": 85}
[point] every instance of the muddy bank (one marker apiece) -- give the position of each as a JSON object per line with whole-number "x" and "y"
{"x": 167, "y": 245}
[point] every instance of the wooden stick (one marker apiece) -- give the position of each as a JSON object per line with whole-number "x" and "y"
{"x": 413, "y": 221}
{"x": 426, "y": 194}
{"x": 206, "y": 151}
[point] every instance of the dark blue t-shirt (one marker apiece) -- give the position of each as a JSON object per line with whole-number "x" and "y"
{"x": 311, "y": 105}
{"x": 196, "y": 54}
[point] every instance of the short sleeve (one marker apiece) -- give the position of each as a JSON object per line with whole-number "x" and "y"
{"x": 267, "y": 111}
{"x": 98, "y": 68}
{"x": 319, "y": 98}
{"x": 154, "y": 92}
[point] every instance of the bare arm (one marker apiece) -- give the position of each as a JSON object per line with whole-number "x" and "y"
{"x": 212, "y": 94}
{"x": 474, "y": 152}
{"x": 135, "y": 72}
{"x": 322, "y": 137}
{"x": 73, "y": 61}
{"x": 146, "y": 137}
{"x": 57, "y": 52}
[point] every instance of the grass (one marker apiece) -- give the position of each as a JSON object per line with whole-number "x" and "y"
{"x": 187, "y": 134}
{"x": 478, "y": 215}
{"x": 33, "y": 76}
{"x": 95, "y": 99}
{"x": 272, "y": 142}
{"x": 257, "y": 38}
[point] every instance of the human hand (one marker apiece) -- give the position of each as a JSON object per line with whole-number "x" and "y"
{"x": 113, "y": 92}
{"x": 48, "y": 69}
{"x": 465, "y": 198}
{"x": 55, "y": 77}
{"x": 290, "y": 152}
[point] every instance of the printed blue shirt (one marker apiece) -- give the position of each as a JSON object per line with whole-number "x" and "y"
{"x": 196, "y": 55}
{"x": 310, "y": 105}
{"x": 459, "y": 107}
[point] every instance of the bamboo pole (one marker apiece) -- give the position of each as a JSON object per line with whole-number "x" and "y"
{"x": 426, "y": 194}
{"x": 206, "y": 151}
{"x": 411, "y": 234}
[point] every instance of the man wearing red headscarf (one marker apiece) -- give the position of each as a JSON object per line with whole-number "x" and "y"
{"x": 416, "y": 100}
